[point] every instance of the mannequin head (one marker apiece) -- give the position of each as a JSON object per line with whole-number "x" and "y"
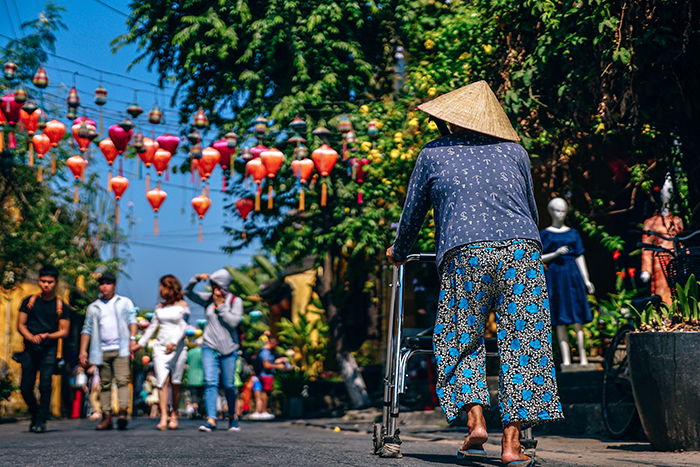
{"x": 557, "y": 209}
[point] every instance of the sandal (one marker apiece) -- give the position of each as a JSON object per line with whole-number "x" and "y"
{"x": 173, "y": 424}
{"x": 161, "y": 427}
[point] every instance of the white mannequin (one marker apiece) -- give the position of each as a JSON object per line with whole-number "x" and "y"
{"x": 558, "y": 208}
{"x": 665, "y": 194}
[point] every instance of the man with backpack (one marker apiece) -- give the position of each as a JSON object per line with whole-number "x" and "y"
{"x": 110, "y": 332}
{"x": 220, "y": 343}
{"x": 43, "y": 320}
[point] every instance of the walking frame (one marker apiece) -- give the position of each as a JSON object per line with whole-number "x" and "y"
{"x": 399, "y": 350}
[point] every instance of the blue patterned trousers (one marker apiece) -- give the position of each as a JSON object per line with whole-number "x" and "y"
{"x": 506, "y": 277}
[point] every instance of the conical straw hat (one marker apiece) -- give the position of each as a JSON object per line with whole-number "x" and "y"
{"x": 474, "y": 107}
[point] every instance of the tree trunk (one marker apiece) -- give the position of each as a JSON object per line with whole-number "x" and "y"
{"x": 354, "y": 383}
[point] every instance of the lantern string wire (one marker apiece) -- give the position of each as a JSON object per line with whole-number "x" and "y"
{"x": 107, "y": 5}
{"x": 9, "y": 18}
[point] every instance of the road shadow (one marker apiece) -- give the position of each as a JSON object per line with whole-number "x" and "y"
{"x": 637, "y": 447}
{"x": 452, "y": 460}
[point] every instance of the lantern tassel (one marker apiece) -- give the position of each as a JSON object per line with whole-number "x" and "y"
{"x": 257, "y": 198}
{"x": 156, "y": 230}
{"x": 76, "y": 195}
{"x": 200, "y": 232}
{"x": 167, "y": 175}
{"x": 148, "y": 181}
{"x": 270, "y": 201}
{"x": 324, "y": 194}
{"x": 109, "y": 180}
{"x": 244, "y": 235}
{"x": 223, "y": 183}
{"x": 31, "y": 154}
{"x": 53, "y": 163}
{"x": 11, "y": 140}
{"x": 2, "y": 139}
{"x": 121, "y": 167}
{"x": 302, "y": 199}
{"x": 116, "y": 213}
{"x": 40, "y": 174}
{"x": 359, "y": 196}
{"x": 345, "y": 150}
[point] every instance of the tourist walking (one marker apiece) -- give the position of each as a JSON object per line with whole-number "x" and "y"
{"x": 220, "y": 343}
{"x": 477, "y": 179}
{"x": 44, "y": 319}
{"x": 169, "y": 350}
{"x": 109, "y": 333}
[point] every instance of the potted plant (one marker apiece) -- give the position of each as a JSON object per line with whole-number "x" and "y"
{"x": 664, "y": 362}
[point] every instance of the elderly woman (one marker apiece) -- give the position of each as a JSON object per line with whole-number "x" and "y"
{"x": 478, "y": 181}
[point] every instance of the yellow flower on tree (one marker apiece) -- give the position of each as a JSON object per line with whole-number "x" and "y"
{"x": 429, "y": 44}
{"x": 432, "y": 125}
{"x": 364, "y": 109}
{"x": 487, "y": 48}
{"x": 432, "y": 91}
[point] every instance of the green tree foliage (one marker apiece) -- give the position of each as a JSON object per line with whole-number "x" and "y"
{"x": 39, "y": 222}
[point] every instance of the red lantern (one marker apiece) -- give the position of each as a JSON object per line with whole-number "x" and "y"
{"x": 156, "y": 197}
{"x": 161, "y": 159}
{"x": 149, "y": 151}
{"x": 168, "y": 142}
{"x": 77, "y": 165}
{"x": 256, "y": 169}
{"x": 109, "y": 150}
{"x": 272, "y": 159}
{"x": 302, "y": 169}
{"x": 244, "y": 206}
{"x": 119, "y": 185}
{"x": 10, "y": 109}
{"x": 42, "y": 145}
{"x": 358, "y": 174}
{"x": 55, "y": 130}
{"x": 227, "y": 149}
{"x": 120, "y": 137}
{"x": 325, "y": 158}
{"x": 155, "y": 116}
{"x": 40, "y": 79}
{"x": 201, "y": 205}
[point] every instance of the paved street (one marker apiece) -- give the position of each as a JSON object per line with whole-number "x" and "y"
{"x": 286, "y": 444}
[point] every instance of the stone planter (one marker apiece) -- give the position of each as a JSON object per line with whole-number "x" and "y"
{"x": 665, "y": 372}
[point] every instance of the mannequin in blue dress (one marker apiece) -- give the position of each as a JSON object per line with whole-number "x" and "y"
{"x": 567, "y": 279}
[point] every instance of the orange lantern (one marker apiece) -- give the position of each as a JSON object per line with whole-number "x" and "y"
{"x": 244, "y": 206}
{"x": 256, "y": 169}
{"x": 161, "y": 159}
{"x": 83, "y": 141}
{"x": 77, "y": 165}
{"x": 109, "y": 150}
{"x": 156, "y": 197}
{"x": 325, "y": 158}
{"x": 205, "y": 165}
{"x": 272, "y": 159}
{"x": 302, "y": 169}
{"x": 119, "y": 185}
{"x": 201, "y": 205}
{"x": 55, "y": 130}
{"x": 42, "y": 145}
{"x": 147, "y": 154}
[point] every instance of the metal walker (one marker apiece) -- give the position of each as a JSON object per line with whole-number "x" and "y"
{"x": 399, "y": 350}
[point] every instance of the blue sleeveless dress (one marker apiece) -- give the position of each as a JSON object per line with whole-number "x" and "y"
{"x": 567, "y": 290}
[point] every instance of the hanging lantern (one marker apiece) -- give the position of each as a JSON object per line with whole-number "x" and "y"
{"x": 156, "y": 197}
{"x": 302, "y": 169}
{"x": 301, "y": 152}
{"x": 231, "y": 139}
{"x": 298, "y": 125}
{"x": 81, "y": 132}
{"x": 227, "y": 152}
{"x": 147, "y": 155}
{"x": 256, "y": 169}
{"x": 100, "y": 96}
{"x": 42, "y": 145}
{"x": 323, "y": 134}
{"x": 119, "y": 186}
{"x": 358, "y": 174}
{"x": 169, "y": 142}
{"x": 77, "y": 165}
{"x": 345, "y": 127}
{"x": 373, "y": 130}
{"x": 260, "y": 127}
{"x": 194, "y": 137}
{"x": 10, "y": 70}
{"x": 55, "y": 130}
{"x": 29, "y": 115}
{"x": 137, "y": 143}
{"x": 134, "y": 110}
{"x": 205, "y": 166}
{"x": 272, "y": 160}
{"x": 109, "y": 150}
{"x": 155, "y": 116}
{"x": 256, "y": 150}
{"x": 73, "y": 100}
{"x": 126, "y": 125}
{"x": 40, "y": 79}
{"x": 161, "y": 159}
{"x": 200, "y": 119}
{"x": 244, "y": 206}
{"x": 71, "y": 114}
{"x": 325, "y": 158}
{"x": 10, "y": 109}
{"x": 201, "y": 205}
{"x": 246, "y": 154}
{"x": 21, "y": 95}
{"x": 120, "y": 137}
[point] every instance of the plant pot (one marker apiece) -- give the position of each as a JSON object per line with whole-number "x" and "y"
{"x": 665, "y": 372}
{"x": 295, "y": 407}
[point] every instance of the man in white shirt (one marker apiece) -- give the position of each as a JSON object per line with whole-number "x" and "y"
{"x": 110, "y": 332}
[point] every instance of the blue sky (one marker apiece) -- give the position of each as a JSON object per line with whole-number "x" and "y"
{"x": 91, "y": 27}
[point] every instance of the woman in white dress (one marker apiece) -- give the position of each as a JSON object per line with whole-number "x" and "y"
{"x": 169, "y": 350}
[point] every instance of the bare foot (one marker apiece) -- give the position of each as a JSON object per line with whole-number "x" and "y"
{"x": 476, "y": 423}
{"x": 510, "y": 444}
{"x": 163, "y": 425}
